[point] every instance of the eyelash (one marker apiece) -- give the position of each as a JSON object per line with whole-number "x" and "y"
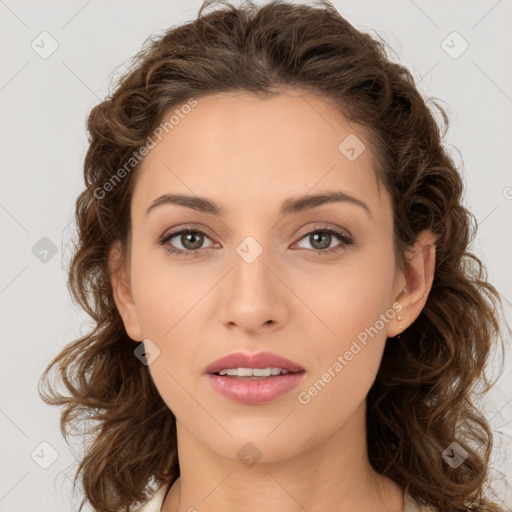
{"x": 345, "y": 239}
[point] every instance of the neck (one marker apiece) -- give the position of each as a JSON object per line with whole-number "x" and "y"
{"x": 332, "y": 475}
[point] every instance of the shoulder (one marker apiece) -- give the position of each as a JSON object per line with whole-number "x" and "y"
{"x": 411, "y": 505}
{"x": 156, "y": 502}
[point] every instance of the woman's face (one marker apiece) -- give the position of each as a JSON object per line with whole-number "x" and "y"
{"x": 254, "y": 282}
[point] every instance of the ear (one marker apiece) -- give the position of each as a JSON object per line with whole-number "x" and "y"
{"x": 418, "y": 276}
{"x": 120, "y": 281}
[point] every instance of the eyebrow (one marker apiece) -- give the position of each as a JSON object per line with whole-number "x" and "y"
{"x": 289, "y": 206}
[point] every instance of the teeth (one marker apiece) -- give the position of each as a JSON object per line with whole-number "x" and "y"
{"x": 253, "y": 372}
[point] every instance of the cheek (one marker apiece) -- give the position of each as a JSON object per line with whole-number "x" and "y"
{"x": 166, "y": 294}
{"x": 170, "y": 303}
{"x": 352, "y": 304}
{"x": 347, "y": 300}
{"x": 346, "y": 365}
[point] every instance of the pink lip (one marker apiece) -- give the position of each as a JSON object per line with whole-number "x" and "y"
{"x": 254, "y": 392}
{"x": 259, "y": 360}
{"x": 246, "y": 391}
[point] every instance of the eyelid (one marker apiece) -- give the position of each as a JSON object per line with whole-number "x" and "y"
{"x": 319, "y": 226}
{"x": 176, "y": 230}
{"x": 184, "y": 228}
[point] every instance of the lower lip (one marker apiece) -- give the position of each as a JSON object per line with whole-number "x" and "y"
{"x": 255, "y": 392}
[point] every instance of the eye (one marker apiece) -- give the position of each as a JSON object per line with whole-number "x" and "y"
{"x": 322, "y": 238}
{"x": 190, "y": 240}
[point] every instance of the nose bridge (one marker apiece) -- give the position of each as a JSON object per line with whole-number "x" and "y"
{"x": 250, "y": 280}
{"x": 252, "y": 294}
{"x": 251, "y": 266}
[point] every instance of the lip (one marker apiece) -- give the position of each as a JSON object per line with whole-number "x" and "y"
{"x": 258, "y": 360}
{"x": 255, "y": 392}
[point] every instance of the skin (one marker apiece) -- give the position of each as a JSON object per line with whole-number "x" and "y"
{"x": 249, "y": 155}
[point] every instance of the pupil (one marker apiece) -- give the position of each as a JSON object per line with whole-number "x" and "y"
{"x": 185, "y": 239}
{"x": 327, "y": 237}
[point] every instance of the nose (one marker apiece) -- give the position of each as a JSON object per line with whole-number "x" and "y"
{"x": 254, "y": 297}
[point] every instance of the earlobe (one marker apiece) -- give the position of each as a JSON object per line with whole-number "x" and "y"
{"x": 419, "y": 276}
{"x": 120, "y": 281}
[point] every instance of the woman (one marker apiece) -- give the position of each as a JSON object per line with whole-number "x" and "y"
{"x": 270, "y": 215}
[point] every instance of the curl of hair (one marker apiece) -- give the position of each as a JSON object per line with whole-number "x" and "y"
{"x": 421, "y": 399}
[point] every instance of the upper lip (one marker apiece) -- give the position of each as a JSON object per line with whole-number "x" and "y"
{"x": 258, "y": 360}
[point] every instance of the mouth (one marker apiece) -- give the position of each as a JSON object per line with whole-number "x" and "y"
{"x": 255, "y": 390}
{"x": 261, "y": 364}
{"x": 254, "y": 379}
{"x": 254, "y": 373}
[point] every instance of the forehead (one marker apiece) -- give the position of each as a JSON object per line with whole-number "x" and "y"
{"x": 236, "y": 146}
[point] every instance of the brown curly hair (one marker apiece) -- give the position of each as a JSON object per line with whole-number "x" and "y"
{"x": 421, "y": 400}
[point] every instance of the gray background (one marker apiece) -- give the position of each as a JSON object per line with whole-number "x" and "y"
{"x": 43, "y": 106}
